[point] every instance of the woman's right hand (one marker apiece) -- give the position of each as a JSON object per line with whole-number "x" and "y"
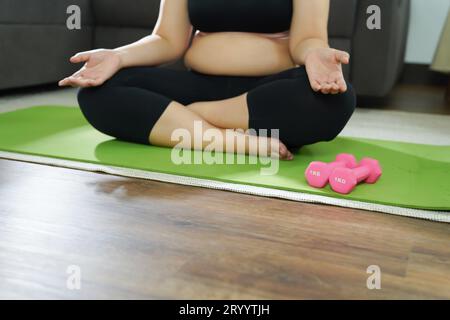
{"x": 100, "y": 65}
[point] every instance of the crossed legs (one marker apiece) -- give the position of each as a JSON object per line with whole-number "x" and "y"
{"x": 146, "y": 105}
{"x": 218, "y": 116}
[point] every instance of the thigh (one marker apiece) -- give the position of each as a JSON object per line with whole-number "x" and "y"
{"x": 183, "y": 86}
{"x": 287, "y": 102}
{"x": 297, "y": 73}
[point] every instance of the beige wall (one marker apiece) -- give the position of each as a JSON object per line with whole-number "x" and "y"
{"x": 427, "y": 20}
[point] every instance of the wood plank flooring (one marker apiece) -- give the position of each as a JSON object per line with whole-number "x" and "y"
{"x": 143, "y": 239}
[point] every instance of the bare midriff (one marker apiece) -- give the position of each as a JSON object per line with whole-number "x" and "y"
{"x": 239, "y": 53}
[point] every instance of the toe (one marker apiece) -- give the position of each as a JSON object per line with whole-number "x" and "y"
{"x": 284, "y": 152}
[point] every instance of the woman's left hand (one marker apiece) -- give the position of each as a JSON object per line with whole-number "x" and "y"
{"x": 324, "y": 68}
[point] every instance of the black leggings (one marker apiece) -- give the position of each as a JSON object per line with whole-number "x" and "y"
{"x": 130, "y": 103}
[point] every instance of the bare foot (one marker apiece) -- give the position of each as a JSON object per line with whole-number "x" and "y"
{"x": 284, "y": 152}
{"x": 263, "y": 146}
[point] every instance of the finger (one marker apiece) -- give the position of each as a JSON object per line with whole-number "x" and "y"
{"x": 326, "y": 88}
{"x": 332, "y": 80}
{"x": 342, "y": 57}
{"x": 71, "y": 81}
{"x": 315, "y": 85}
{"x": 338, "y": 82}
{"x": 80, "y": 57}
{"x": 334, "y": 88}
{"x": 342, "y": 85}
{"x": 75, "y": 81}
{"x": 76, "y": 74}
{"x": 64, "y": 82}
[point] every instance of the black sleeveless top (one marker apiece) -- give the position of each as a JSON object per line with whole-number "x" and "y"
{"x": 261, "y": 16}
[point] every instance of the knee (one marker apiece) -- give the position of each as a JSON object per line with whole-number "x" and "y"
{"x": 92, "y": 104}
{"x": 341, "y": 105}
{"x": 84, "y": 97}
{"x": 346, "y": 103}
{"x": 87, "y": 98}
{"x": 341, "y": 108}
{"x": 82, "y": 94}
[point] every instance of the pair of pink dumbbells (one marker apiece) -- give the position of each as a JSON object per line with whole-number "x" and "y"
{"x": 344, "y": 173}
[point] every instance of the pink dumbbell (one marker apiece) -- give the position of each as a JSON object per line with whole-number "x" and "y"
{"x": 344, "y": 180}
{"x": 318, "y": 172}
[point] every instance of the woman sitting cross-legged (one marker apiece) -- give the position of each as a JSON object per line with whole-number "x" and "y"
{"x": 251, "y": 65}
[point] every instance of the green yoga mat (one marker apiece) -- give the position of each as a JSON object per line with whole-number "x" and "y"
{"x": 414, "y": 176}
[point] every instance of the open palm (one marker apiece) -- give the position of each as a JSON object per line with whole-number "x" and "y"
{"x": 100, "y": 65}
{"x": 324, "y": 68}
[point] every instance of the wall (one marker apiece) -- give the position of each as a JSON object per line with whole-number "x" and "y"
{"x": 427, "y": 20}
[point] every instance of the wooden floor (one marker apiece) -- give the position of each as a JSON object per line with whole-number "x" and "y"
{"x": 142, "y": 239}
{"x": 411, "y": 98}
